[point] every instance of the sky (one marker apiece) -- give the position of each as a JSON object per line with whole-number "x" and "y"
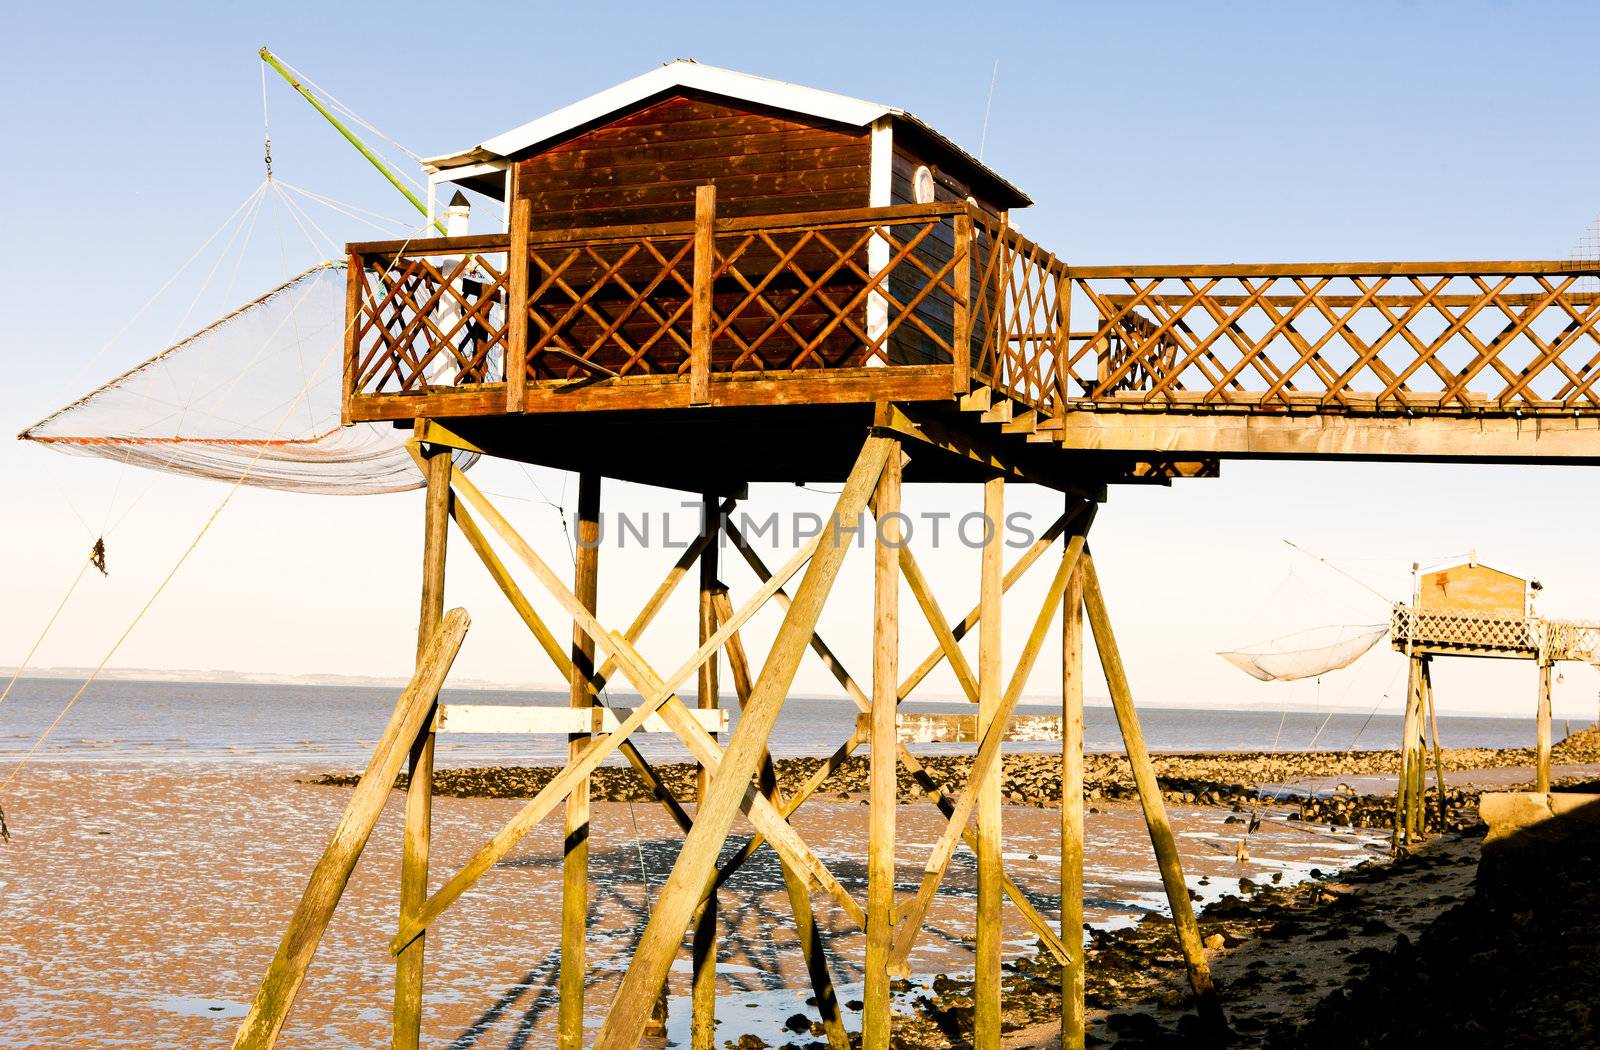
{"x": 1145, "y": 132}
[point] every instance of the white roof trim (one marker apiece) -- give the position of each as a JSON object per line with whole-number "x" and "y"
{"x": 680, "y": 74}
{"x": 686, "y": 73}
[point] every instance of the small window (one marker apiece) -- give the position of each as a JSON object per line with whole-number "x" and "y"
{"x": 922, "y": 185}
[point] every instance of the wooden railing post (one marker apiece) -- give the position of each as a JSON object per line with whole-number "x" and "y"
{"x": 705, "y": 218}
{"x": 1063, "y": 347}
{"x": 517, "y": 307}
{"x": 352, "y": 343}
{"x": 961, "y": 337}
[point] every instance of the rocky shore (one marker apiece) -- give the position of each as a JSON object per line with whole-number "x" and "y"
{"x": 1233, "y": 779}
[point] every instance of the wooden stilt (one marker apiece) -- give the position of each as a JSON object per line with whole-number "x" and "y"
{"x": 703, "y": 1021}
{"x": 1408, "y": 733}
{"x": 1438, "y": 754}
{"x": 986, "y": 760}
{"x": 1155, "y": 811}
{"x": 1072, "y": 974}
{"x": 575, "y": 856}
{"x": 653, "y": 700}
{"x": 552, "y": 648}
{"x": 919, "y": 774}
{"x": 990, "y": 936}
{"x": 406, "y": 1028}
{"x": 883, "y": 772}
{"x": 1542, "y": 765}
{"x": 715, "y": 813}
{"x": 811, "y": 946}
{"x": 1419, "y": 764}
{"x": 260, "y": 1027}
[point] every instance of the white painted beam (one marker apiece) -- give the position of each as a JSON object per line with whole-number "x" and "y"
{"x": 504, "y": 718}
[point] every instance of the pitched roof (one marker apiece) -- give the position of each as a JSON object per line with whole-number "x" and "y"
{"x": 686, "y": 74}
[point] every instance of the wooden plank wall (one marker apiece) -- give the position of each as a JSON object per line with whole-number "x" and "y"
{"x": 643, "y": 167}
{"x": 909, "y": 345}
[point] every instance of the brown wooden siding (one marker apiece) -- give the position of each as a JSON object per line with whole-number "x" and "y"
{"x": 643, "y": 167}
{"x": 908, "y": 344}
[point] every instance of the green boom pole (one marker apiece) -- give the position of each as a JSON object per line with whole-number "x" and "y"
{"x": 361, "y": 147}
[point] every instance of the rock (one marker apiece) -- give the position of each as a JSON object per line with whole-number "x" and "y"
{"x": 798, "y": 1023}
{"x": 1215, "y": 942}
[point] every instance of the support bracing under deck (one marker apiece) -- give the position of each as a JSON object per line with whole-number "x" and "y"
{"x": 575, "y": 843}
{"x": 883, "y": 771}
{"x": 1155, "y": 812}
{"x": 407, "y": 1023}
{"x": 1072, "y": 975}
{"x": 742, "y": 779}
{"x": 703, "y": 1023}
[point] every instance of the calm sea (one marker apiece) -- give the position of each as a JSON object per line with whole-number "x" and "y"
{"x": 335, "y": 726}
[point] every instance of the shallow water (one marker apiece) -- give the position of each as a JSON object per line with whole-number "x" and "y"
{"x": 137, "y": 721}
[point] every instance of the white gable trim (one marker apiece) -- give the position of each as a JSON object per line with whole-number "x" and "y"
{"x": 824, "y": 105}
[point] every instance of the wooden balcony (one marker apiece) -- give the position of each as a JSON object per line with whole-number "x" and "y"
{"x": 858, "y": 306}
{"x": 935, "y": 304}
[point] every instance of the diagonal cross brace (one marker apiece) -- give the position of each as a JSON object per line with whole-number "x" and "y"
{"x": 680, "y": 897}
{"x": 910, "y": 924}
{"x": 919, "y": 773}
{"x": 564, "y": 782}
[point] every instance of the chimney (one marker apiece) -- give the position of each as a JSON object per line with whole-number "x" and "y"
{"x": 456, "y": 216}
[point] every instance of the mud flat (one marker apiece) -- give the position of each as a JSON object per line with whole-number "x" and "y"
{"x": 141, "y": 906}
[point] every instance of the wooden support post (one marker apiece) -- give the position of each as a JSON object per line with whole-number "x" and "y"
{"x": 1408, "y": 732}
{"x": 883, "y": 770}
{"x": 1155, "y": 811}
{"x": 703, "y": 1020}
{"x": 553, "y": 793}
{"x": 919, "y": 774}
{"x": 406, "y": 1028}
{"x": 987, "y": 758}
{"x": 1541, "y": 771}
{"x": 575, "y": 856}
{"x": 260, "y": 1027}
{"x": 715, "y": 813}
{"x": 1072, "y": 974}
{"x": 794, "y": 882}
{"x": 552, "y": 648}
{"x": 1420, "y": 764}
{"x": 986, "y": 976}
{"x": 705, "y": 257}
{"x": 1438, "y": 754}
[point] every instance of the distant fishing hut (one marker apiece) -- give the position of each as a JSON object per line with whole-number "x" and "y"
{"x": 708, "y": 279}
{"x": 1466, "y": 608}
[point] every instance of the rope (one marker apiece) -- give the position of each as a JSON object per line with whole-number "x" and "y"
{"x": 347, "y": 111}
{"x": 183, "y": 558}
{"x": 26, "y": 660}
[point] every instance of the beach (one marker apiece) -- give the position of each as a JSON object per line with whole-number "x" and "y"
{"x": 141, "y": 902}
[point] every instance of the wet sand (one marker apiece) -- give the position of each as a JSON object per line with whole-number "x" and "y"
{"x": 140, "y": 906}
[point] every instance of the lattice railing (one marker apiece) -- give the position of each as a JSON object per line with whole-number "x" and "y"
{"x": 1462, "y": 629}
{"x": 1410, "y": 338}
{"x": 1572, "y": 640}
{"x": 610, "y": 305}
{"x": 428, "y": 315}
{"x": 785, "y": 294}
{"x": 1019, "y": 315}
